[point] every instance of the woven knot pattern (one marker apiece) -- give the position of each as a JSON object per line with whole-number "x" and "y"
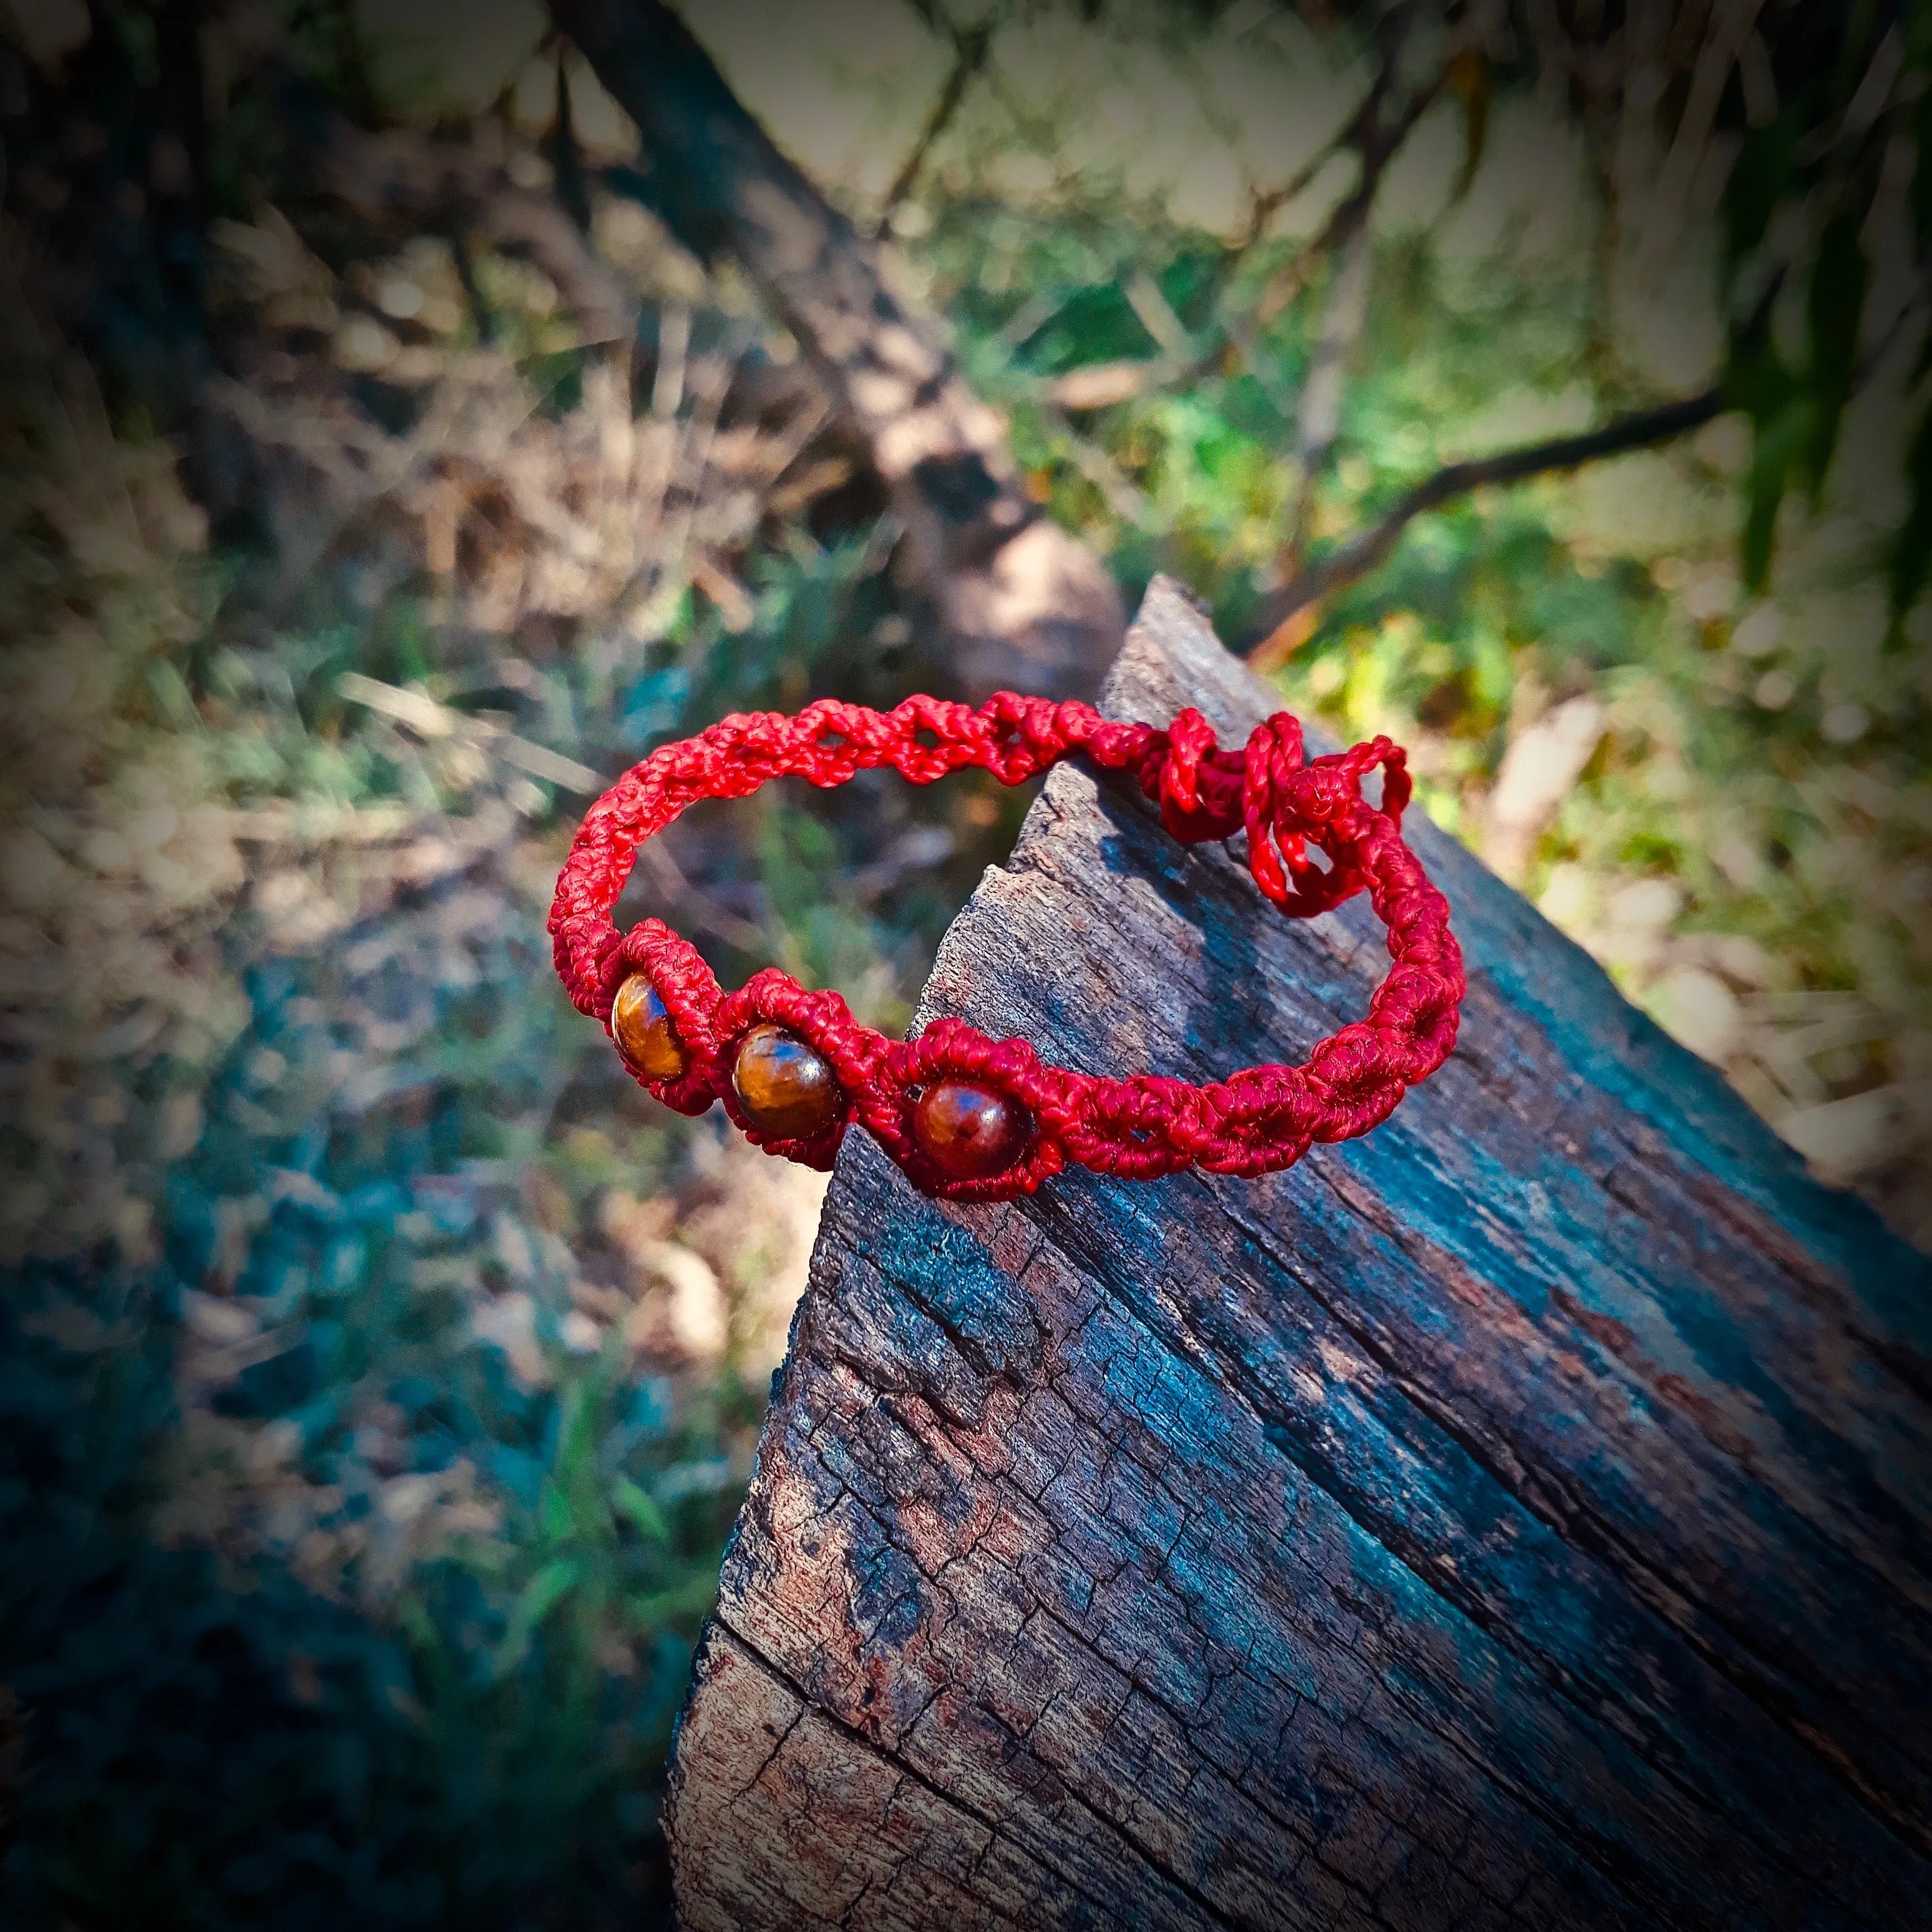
{"x": 1313, "y": 840}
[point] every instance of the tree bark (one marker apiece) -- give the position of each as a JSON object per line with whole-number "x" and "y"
{"x": 1517, "y": 1517}
{"x": 1021, "y": 603}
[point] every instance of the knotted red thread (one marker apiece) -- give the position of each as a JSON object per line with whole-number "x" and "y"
{"x": 1255, "y": 1121}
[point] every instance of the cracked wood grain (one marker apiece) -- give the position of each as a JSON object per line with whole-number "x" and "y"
{"x": 1516, "y": 1518}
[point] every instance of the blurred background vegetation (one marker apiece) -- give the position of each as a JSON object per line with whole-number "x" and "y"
{"x": 379, "y": 1370}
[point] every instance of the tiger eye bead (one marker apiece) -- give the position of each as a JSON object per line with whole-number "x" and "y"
{"x": 969, "y": 1133}
{"x": 642, "y": 1030}
{"x": 787, "y": 1091}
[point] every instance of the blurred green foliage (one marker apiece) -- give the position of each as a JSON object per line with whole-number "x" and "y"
{"x": 1766, "y": 759}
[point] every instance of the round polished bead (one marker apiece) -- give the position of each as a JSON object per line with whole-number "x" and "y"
{"x": 967, "y": 1132}
{"x": 788, "y": 1090}
{"x": 642, "y": 1030}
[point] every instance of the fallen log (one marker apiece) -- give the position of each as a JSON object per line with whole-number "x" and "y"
{"x": 1517, "y": 1517}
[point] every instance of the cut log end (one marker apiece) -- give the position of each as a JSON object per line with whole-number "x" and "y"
{"x": 1516, "y": 1517}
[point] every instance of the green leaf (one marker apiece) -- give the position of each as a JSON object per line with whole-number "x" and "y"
{"x": 1772, "y": 454}
{"x": 1761, "y": 178}
{"x": 542, "y": 1594}
{"x": 553, "y": 1513}
{"x": 1470, "y": 80}
{"x": 1766, "y": 492}
{"x": 547, "y": 1588}
{"x": 1756, "y": 380}
{"x": 687, "y": 1599}
{"x": 578, "y": 1428}
{"x": 1780, "y": 407}
{"x": 1921, "y": 172}
{"x": 417, "y": 1625}
{"x": 1839, "y": 279}
{"x": 1919, "y": 34}
{"x": 638, "y": 1507}
{"x": 1912, "y": 547}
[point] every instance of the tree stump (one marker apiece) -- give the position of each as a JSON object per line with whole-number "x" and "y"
{"x": 1516, "y": 1517}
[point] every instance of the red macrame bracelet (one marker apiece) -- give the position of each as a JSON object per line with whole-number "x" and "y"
{"x": 971, "y": 1118}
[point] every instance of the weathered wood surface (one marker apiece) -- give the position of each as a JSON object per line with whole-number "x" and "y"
{"x": 1517, "y": 1517}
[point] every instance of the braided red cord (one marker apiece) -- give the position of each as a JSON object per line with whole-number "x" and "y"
{"x": 1257, "y": 1120}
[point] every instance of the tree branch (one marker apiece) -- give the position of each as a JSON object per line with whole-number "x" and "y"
{"x": 1375, "y": 146}
{"x": 1378, "y": 148}
{"x": 971, "y": 46}
{"x": 1360, "y": 554}
{"x": 1264, "y": 203}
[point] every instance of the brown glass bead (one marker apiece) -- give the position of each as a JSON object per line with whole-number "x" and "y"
{"x": 969, "y": 1133}
{"x": 788, "y": 1090}
{"x": 642, "y": 1030}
